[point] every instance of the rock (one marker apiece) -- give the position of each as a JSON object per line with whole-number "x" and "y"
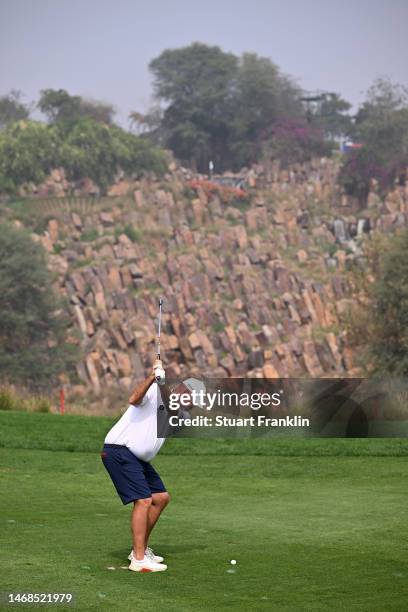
{"x": 228, "y": 364}
{"x": 138, "y": 196}
{"x": 279, "y": 217}
{"x": 332, "y": 343}
{"x": 232, "y": 213}
{"x": 363, "y": 226}
{"x": 47, "y": 244}
{"x": 198, "y": 211}
{"x": 81, "y": 320}
{"x": 123, "y": 362}
{"x": 269, "y": 371}
{"x": 76, "y": 220}
{"x": 122, "y": 188}
{"x": 301, "y": 256}
{"x": 114, "y": 278}
{"x": 241, "y": 237}
{"x": 256, "y": 358}
{"x": 251, "y": 220}
{"x": 194, "y": 341}
{"x": 311, "y": 359}
{"x": 79, "y": 284}
{"x": 53, "y": 230}
{"x": 135, "y": 271}
{"x": 341, "y": 258}
{"x": 216, "y": 266}
{"x": 92, "y": 373}
{"x": 340, "y": 231}
{"x": 106, "y": 219}
{"x": 204, "y": 343}
{"x": 87, "y": 187}
{"x": 215, "y": 207}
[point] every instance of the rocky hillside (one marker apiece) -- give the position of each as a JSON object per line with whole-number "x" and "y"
{"x": 253, "y": 286}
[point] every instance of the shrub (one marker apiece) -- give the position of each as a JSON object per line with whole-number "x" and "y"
{"x": 218, "y": 327}
{"x": 41, "y": 404}
{"x": 33, "y": 350}
{"x": 362, "y": 165}
{"x": 293, "y": 141}
{"x": 132, "y": 233}
{"x": 380, "y": 323}
{"x": 29, "y": 150}
{"x": 89, "y": 235}
{"x": 11, "y": 399}
{"x": 381, "y": 126}
{"x": 8, "y": 400}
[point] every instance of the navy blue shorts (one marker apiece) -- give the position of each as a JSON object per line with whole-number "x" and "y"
{"x": 133, "y": 478}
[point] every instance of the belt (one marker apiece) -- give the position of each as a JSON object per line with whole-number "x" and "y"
{"x": 114, "y": 446}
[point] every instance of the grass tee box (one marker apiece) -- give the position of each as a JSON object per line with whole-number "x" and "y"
{"x": 313, "y": 524}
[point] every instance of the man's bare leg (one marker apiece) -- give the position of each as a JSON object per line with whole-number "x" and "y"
{"x": 159, "y": 502}
{"x": 139, "y": 524}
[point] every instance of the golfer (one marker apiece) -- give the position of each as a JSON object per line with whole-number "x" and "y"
{"x": 129, "y": 447}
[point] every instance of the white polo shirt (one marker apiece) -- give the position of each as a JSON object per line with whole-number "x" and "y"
{"x": 137, "y": 428}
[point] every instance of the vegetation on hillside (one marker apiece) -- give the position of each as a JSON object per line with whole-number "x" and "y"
{"x": 382, "y": 318}
{"x": 381, "y": 126}
{"x": 389, "y": 310}
{"x": 213, "y": 105}
{"x": 80, "y": 137}
{"x": 33, "y": 348}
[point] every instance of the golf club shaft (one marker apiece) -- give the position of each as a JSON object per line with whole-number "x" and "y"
{"x": 159, "y": 329}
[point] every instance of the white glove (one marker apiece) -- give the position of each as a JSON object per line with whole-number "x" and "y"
{"x": 160, "y": 375}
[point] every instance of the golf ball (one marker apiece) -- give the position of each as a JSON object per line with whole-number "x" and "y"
{"x": 233, "y": 562}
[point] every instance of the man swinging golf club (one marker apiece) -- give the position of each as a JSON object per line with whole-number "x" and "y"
{"x": 129, "y": 447}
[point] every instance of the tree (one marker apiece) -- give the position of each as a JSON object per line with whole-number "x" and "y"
{"x": 95, "y": 150}
{"x": 87, "y": 151}
{"x": 28, "y": 152}
{"x": 12, "y": 109}
{"x": 219, "y": 107}
{"x": 382, "y": 99}
{"x": 262, "y": 97}
{"x": 381, "y": 125}
{"x": 295, "y": 141}
{"x": 195, "y": 84}
{"x": 331, "y": 116}
{"x": 387, "y": 331}
{"x": 32, "y": 324}
{"x": 60, "y": 106}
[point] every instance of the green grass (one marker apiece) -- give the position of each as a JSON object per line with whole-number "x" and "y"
{"x": 314, "y": 524}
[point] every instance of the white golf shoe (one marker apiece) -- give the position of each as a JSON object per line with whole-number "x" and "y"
{"x": 146, "y": 565}
{"x": 149, "y": 554}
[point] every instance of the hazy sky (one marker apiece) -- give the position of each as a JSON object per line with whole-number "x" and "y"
{"x": 101, "y": 48}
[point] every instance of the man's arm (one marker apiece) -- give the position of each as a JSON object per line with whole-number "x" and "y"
{"x": 141, "y": 390}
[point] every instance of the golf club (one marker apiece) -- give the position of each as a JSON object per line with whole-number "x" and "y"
{"x": 159, "y": 372}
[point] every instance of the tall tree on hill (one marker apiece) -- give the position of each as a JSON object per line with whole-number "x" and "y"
{"x": 262, "y": 97}
{"x": 219, "y": 107}
{"x": 196, "y": 86}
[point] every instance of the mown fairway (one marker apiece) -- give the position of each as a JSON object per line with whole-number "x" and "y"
{"x": 313, "y": 524}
